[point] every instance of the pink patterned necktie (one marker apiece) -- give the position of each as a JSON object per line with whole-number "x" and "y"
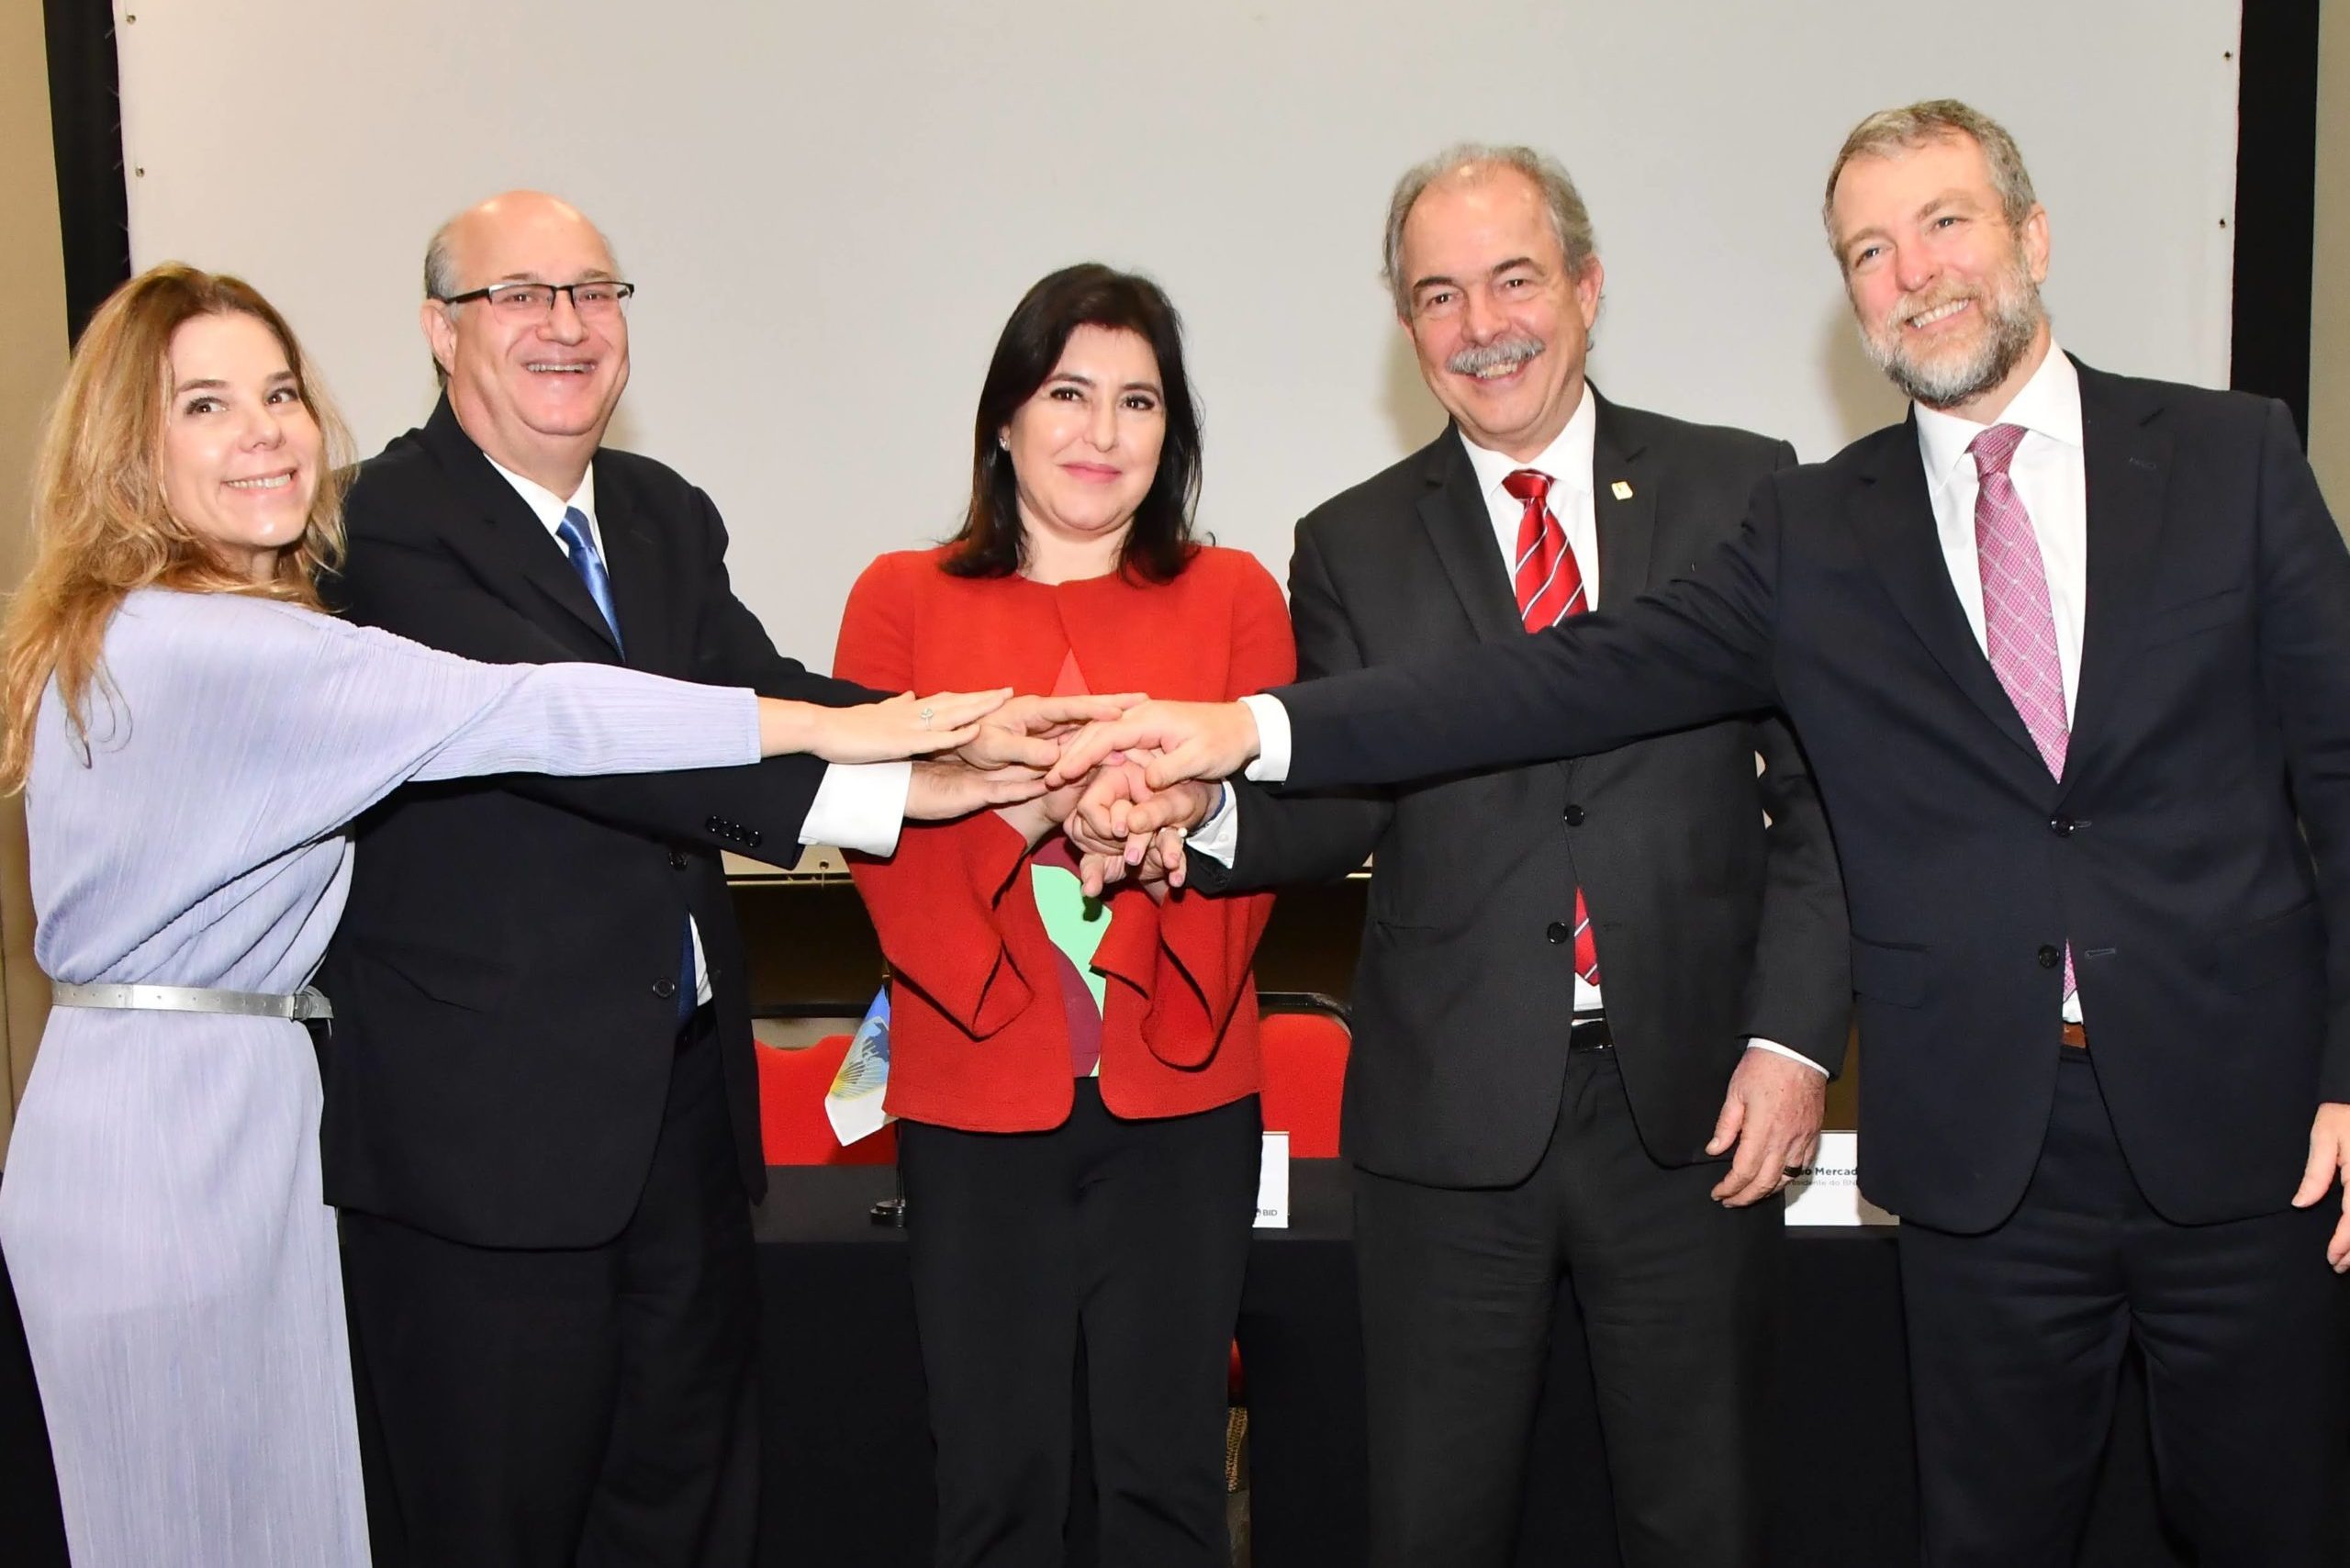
{"x": 1549, "y": 589}
{"x": 2019, "y": 627}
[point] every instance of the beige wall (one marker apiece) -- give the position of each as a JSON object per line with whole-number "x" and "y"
{"x": 2330, "y": 289}
{"x": 32, "y": 359}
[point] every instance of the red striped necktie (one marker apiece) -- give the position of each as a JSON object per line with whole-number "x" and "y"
{"x": 1549, "y": 589}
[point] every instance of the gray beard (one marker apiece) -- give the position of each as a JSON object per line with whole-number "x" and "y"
{"x": 2015, "y": 321}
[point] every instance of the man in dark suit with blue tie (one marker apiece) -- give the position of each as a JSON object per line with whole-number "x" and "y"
{"x": 541, "y": 1120}
{"x": 2070, "y": 654}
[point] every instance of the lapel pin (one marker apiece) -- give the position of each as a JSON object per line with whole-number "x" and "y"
{"x": 1621, "y": 489}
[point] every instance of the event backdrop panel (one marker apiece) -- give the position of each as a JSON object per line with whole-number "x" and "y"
{"x": 830, "y": 209}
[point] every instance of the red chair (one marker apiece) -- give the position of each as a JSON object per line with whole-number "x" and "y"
{"x": 1303, "y": 1040}
{"x": 792, "y": 1128}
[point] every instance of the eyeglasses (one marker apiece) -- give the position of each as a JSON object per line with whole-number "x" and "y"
{"x": 604, "y": 296}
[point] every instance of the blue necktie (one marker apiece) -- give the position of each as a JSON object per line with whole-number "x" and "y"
{"x": 580, "y": 542}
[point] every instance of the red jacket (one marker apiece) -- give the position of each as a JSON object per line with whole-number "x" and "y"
{"x": 978, "y": 1036}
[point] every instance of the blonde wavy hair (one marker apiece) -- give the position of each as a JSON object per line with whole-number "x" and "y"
{"x": 100, "y": 526}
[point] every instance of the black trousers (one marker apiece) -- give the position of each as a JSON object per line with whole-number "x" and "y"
{"x": 1678, "y": 1299}
{"x": 2016, "y": 1339}
{"x": 593, "y": 1405}
{"x": 1133, "y": 1232}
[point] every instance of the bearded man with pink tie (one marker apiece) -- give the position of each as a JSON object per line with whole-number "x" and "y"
{"x": 2070, "y": 654}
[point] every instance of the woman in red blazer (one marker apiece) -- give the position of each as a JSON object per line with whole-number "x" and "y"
{"x": 1077, "y": 1078}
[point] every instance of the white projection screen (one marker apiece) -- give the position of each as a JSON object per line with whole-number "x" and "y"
{"x": 830, "y": 209}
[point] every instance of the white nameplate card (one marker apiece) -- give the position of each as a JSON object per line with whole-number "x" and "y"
{"x": 1272, "y": 1183}
{"x": 1828, "y": 1190}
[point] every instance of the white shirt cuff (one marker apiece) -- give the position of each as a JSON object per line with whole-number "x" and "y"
{"x": 1272, "y": 740}
{"x": 1218, "y": 838}
{"x": 860, "y": 806}
{"x": 702, "y": 966}
{"x": 1760, "y": 1044}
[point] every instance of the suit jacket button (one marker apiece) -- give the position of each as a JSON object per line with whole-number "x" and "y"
{"x": 1558, "y": 932}
{"x": 1575, "y": 816}
{"x": 678, "y": 861}
{"x": 714, "y": 826}
{"x": 2061, "y": 826}
{"x": 2050, "y": 956}
{"x": 664, "y": 988}
{"x": 752, "y": 836}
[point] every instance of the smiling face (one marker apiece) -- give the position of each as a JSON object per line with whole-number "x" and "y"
{"x": 239, "y": 457}
{"x": 1499, "y": 323}
{"x": 534, "y": 389}
{"x": 1945, "y": 290}
{"x": 1085, "y": 445}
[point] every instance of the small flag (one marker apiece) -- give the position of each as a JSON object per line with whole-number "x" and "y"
{"x": 853, "y": 1104}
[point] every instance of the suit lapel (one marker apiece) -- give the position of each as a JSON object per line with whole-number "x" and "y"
{"x": 1895, "y": 518}
{"x": 1623, "y": 511}
{"x": 2126, "y": 467}
{"x": 507, "y": 543}
{"x": 1623, "y": 504}
{"x": 1462, "y": 529}
{"x": 639, "y": 570}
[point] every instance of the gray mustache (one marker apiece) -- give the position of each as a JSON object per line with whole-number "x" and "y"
{"x": 1502, "y": 353}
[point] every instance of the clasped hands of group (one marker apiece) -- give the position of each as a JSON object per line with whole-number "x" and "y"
{"x": 1127, "y": 778}
{"x": 1124, "y": 776}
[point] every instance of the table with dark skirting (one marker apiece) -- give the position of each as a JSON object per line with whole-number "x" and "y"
{"x": 847, "y": 1456}
{"x": 847, "y": 1453}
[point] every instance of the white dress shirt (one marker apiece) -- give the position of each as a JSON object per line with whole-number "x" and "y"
{"x": 1568, "y": 463}
{"x": 2052, "y": 481}
{"x": 858, "y": 805}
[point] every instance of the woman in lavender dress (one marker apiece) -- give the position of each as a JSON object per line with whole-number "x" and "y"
{"x": 192, "y": 737}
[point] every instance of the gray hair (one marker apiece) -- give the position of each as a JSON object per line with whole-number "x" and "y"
{"x": 440, "y": 265}
{"x": 439, "y": 281}
{"x": 1936, "y": 119}
{"x": 1570, "y": 219}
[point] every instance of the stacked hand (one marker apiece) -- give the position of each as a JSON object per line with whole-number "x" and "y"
{"x": 975, "y": 749}
{"x": 1117, "y": 773}
{"x": 904, "y": 725}
{"x": 1122, "y": 827}
{"x": 999, "y": 759}
{"x": 1029, "y": 732}
{"x": 1184, "y": 740}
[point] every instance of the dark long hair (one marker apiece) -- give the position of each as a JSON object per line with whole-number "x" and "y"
{"x": 1159, "y": 544}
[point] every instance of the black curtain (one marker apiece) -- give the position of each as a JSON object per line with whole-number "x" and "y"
{"x": 2276, "y": 222}
{"x": 85, "y": 125}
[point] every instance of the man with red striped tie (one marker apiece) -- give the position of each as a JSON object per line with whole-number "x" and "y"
{"x": 1597, "y": 1001}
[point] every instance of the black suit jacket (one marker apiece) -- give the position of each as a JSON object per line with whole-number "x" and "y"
{"x": 1710, "y": 927}
{"x": 505, "y": 975}
{"x": 2193, "y": 853}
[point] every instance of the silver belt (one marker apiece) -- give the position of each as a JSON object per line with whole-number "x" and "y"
{"x": 304, "y": 1006}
